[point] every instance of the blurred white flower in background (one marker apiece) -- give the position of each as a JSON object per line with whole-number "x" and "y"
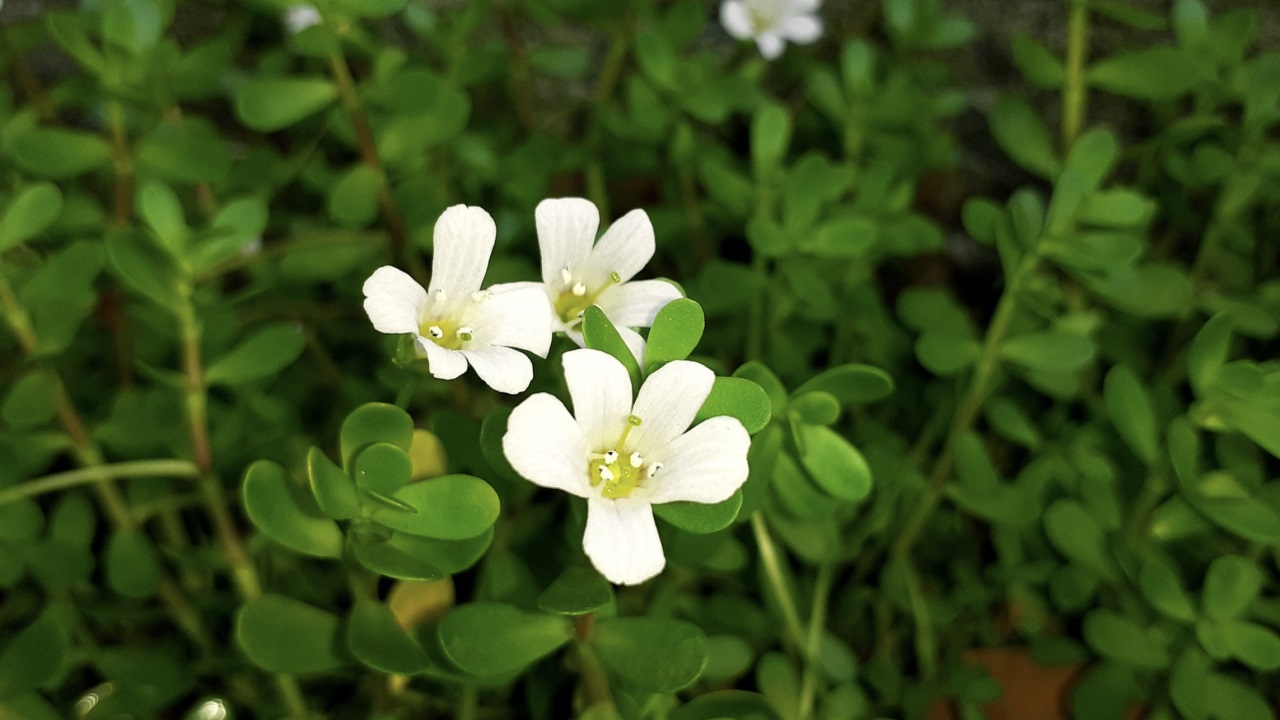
{"x": 300, "y": 17}
{"x": 772, "y": 23}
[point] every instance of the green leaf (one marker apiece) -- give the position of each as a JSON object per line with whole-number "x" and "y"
{"x": 852, "y": 384}
{"x": 770, "y": 136}
{"x": 657, "y": 58}
{"x": 29, "y": 214}
{"x": 261, "y": 355}
{"x": 1208, "y": 352}
{"x": 943, "y": 354}
{"x": 1090, "y": 160}
{"x": 760, "y": 374}
{"x": 371, "y": 8}
{"x": 600, "y": 334}
{"x": 846, "y": 237}
{"x": 1129, "y": 407}
{"x": 815, "y": 408}
{"x": 1039, "y": 66}
{"x": 736, "y": 704}
{"x": 187, "y": 150}
{"x": 1154, "y": 74}
{"x": 377, "y": 640}
{"x": 335, "y": 493}
{"x": 133, "y": 569}
{"x": 1118, "y": 637}
{"x": 353, "y": 199}
{"x": 578, "y": 591}
{"x": 392, "y": 560}
{"x": 1078, "y": 536}
{"x": 270, "y": 104}
{"x": 284, "y": 635}
{"x": 162, "y": 211}
{"x": 658, "y": 654}
{"x": 1053, "y": 351}
{"x": 452, "y": 507}
{"x": 382, "y": 468}
{"x": 145, "y": 269}
{"x": 270, "y": 503}
{"x": 1254, "y": 645}
{"x": 1162, "y": 587}
{"x": 701, "y": 518}
{"x": 1117, "y": 208}
{"x": 32, "y": 657}
{"x": 32, "y": 400}
{"x": 676, "y": 330}
{"x": 58, "y": 154}
{"x": 834, "y": 464}
{"x": 21, "y": 521}
{"x": 1230, "y": 587}
{"x": 486, "y": 639}
{"x": 738, "y": 398}
{"x": 372, "y": 423}
{"x": 1020, "y": 132}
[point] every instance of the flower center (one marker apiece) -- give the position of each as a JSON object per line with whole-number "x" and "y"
{"x": 763, "y": 15}
{"x": 575, "y": 297}
{"x": 446, "y": 330}
{"x": 620, "y": 474}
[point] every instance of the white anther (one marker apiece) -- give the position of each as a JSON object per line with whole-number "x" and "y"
{"x": 611, "y": 457}
{"x": 606, "y": 474}
{"x": 465, "y": 333}
{"x": 579, "y": 289}
{"x": 565, "y": 275}
{"x": 481, "y": 295}
{"x": 581, "y": 313}
{"x": 439, "y": 296}
{"x": 636, "y": 460}
{"x": 435, "y": 332}
{"x": 654, "y": 468}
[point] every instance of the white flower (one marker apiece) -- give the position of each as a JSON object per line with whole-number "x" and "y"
{"x": 624, "y": 458}
{"x": 300, "y": 17}
{"x": 455, "y": 322}
{"x": 771, "y": 23}
{"x": 577, "y": 275}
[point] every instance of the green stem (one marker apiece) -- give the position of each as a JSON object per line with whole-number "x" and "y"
{"x": 773, "y": 573}
{"x": 1074, "y": 92}
{"x": 469, "y": 705}
{"x": 594, "y": 680}
{"x": 597, "y": 188}
{"x": 813, "y": 642}
{"x": 122, "y": 164}
{"x": 96, "y": 474}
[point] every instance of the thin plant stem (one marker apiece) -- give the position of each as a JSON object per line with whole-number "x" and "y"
{"x": 813, "y": 641}
{"x": 1074, "y": 92}
{"x": 595, "y": 683}
{"x": 368, "y": 149}
{"x": 97, "y": 474}
{"x": 121, "y": 163}
{"x": 773, "y": 573}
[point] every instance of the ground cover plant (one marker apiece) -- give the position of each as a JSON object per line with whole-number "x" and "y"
{"x": 647, "y": 359}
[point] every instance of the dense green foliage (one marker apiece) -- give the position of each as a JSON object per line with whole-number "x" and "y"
{"x": 1047, "y": 423}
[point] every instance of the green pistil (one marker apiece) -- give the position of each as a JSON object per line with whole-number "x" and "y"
{"x": 615, "y": 470}
{"x": 445, "y": 333}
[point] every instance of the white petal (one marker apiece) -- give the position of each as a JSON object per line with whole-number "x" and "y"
{"x": 735, "y": 19}
{"x": 635, "y": 304}
{"x": 601, "y": 391}
{"x": 770, "y": 45}
{"x": 545, "y": 445}
{"x": 667, "y": 403}
{"x": 705, "y": 465}
{"x": 624, "y": 249}
{"x": 464, "y": 239}
{"x": 802, "y": 29}
{"x": 622, "y": 540}
{"x": 799, "y": 7}
{"x": 517, "y": 315}
{"x": 501, "y": 368}
{"x": 634, "y": 342}
{"x": 576, "y": 336}
{"x": 566, "y": 229}
{"x": 443, "y": 364}
{"x": 393, "y": 300}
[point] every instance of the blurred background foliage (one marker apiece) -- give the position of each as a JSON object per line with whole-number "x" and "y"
{"x": 1006, "y": 272}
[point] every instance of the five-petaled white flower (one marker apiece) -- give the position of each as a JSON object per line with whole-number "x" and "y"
{"x": 771, "y": 23}
{"x": 576, "y": 275}
{"x": 300, "y": 17}
{"x": 624, "y": 457}
{"x": 455, "y": 322}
